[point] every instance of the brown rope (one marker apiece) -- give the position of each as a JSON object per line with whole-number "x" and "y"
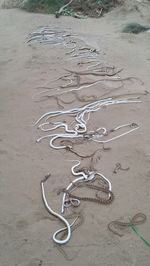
{"x": 139, "y": 218}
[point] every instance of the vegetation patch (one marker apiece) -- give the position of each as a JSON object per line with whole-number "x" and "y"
{"x": 44, "y": 6}
{"x": 135, "y": 28}
{"x": 92, "y": 8}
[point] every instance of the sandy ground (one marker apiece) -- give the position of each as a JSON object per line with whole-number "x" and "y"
{"x": 25, "y": 226}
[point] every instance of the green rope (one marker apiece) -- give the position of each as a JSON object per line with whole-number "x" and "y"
{"x": 134, "y": 228}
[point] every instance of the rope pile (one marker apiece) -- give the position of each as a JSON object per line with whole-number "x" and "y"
{"x": 61, "y": 133}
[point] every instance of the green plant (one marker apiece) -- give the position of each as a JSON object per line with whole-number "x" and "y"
{"x": 85, "y": 7}
{"x": 106, "y": 4}
{"x": 49, "y": 6}
{"x": 135, "y": 28}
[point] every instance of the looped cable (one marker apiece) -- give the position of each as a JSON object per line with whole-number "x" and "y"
{"x": 60, "y": 217}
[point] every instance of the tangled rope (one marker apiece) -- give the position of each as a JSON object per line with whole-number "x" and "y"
{"x": 78, "y": 131}
{"x": 82, "y": 115}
